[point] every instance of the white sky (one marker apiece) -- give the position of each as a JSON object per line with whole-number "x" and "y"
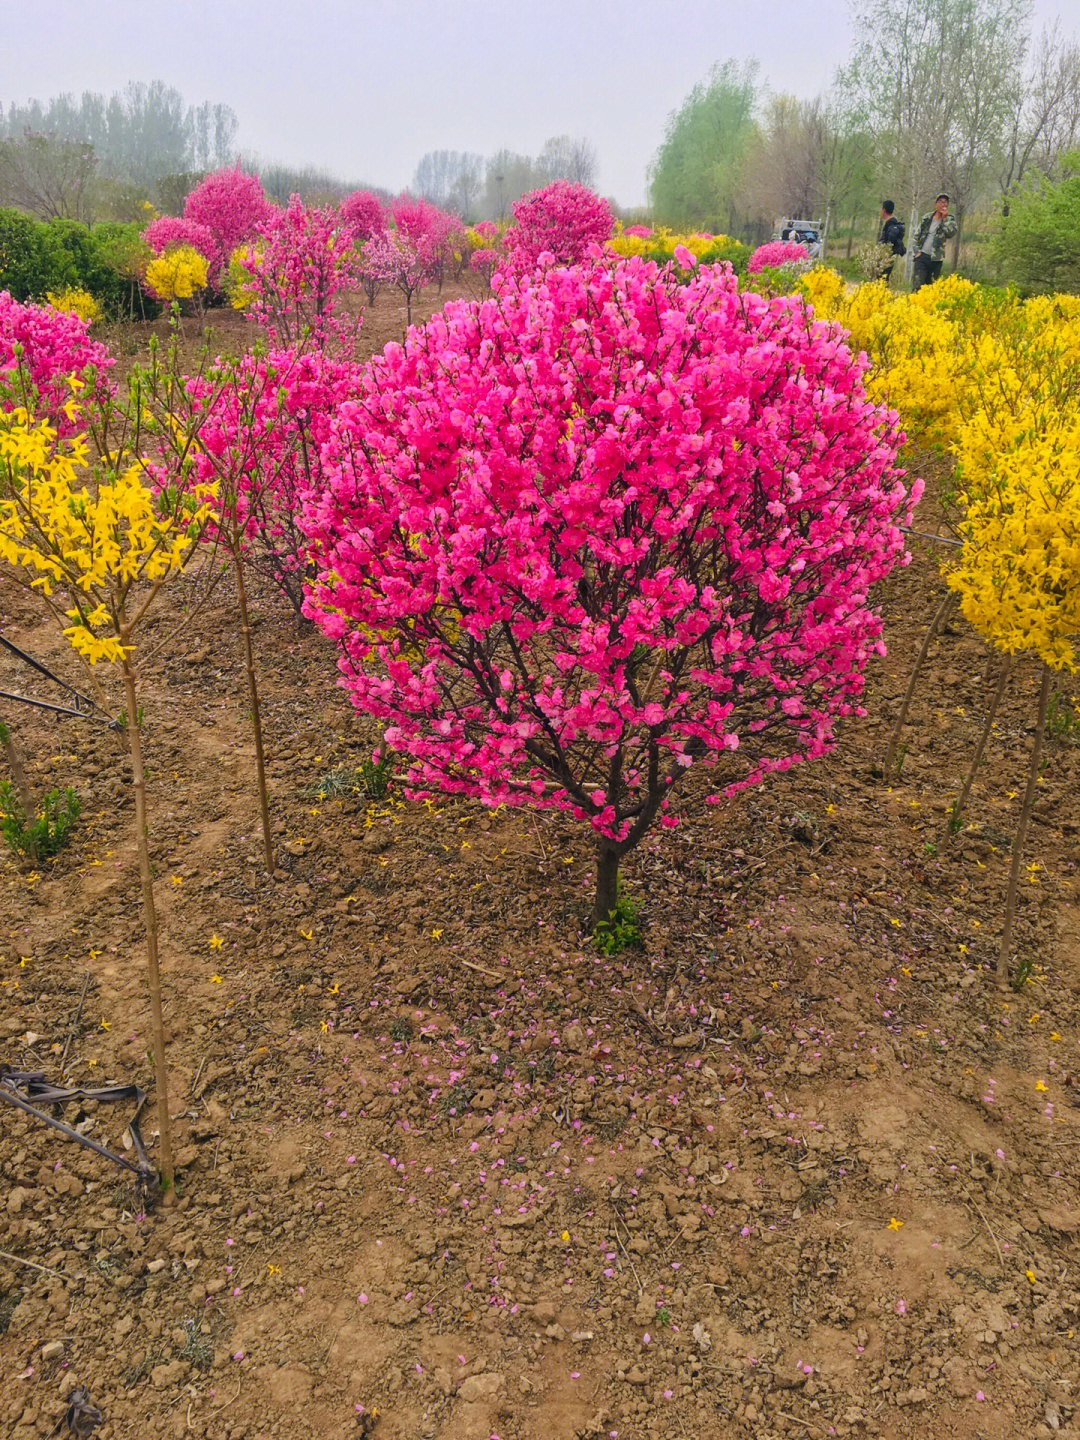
{"x": 362, "y": 88}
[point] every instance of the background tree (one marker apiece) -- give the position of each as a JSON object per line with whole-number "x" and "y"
{"x": 1044, "y": 117}
{"x": 565, "y": 158}
{"x": 507, "y": 176}
{"x": 935, "y": 82}
{"x": 697, "y": 174}
{"x": 1038, "y": 247}
{"x": 48, "y": 176}
{"x": 786, "y": 164}
{"x": 451, "y": 179}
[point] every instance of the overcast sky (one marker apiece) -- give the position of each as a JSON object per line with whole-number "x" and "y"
{"x": 362, "y": 88}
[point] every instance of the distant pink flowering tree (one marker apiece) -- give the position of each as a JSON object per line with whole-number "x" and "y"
{"x": 229, "y": 204}
{"x": 562, "y": 218}
{"x": 41, "y": 351}
{"x": 432, "y": 233}
{"x": 292, "y": 273}
{"x": 775, "y": 254}
{"x": 168, "y": 232}
{"x": 395, "y": 258}
{"x": 603, "y": 528}
{"x": 362, "y": 215}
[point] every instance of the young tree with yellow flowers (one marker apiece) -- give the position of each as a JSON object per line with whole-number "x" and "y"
{"x": 99, "y": 545}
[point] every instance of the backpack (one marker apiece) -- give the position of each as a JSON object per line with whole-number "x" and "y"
{"x": 895, "y": 229}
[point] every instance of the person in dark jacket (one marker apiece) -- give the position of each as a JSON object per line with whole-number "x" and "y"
{"x": 892, "y": 235}
{"x": 934, "y": 229}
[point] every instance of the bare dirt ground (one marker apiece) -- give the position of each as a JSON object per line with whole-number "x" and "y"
{"x": 797, "y": 1167}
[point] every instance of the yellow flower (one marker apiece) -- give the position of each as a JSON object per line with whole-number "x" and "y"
{"x": 436, "y": 934}
{"x": 105, "y": 1025}
{"x": 1040, "y": 1086}
{"x": 215, "y": 979}
{"x": 895, "y": 1224}
{"x": 565, "y": 1237}
{"x": 215, "y": 942}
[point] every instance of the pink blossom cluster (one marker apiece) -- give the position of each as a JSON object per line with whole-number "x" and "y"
{"x": 563, "y": 219}
{"x": 221, "y": 212}
{"x": 261, "y": 423}
{"x": 582, "y": 536}
{"x": 638, "y": 232}
{"x": 415, "y": 251}
{"x": 168, "y": 232}
{"x": 362, "y": 215}
{"x": 40, "y": 348}
{"x": 776, "y": 253}
{"x": 297, "y": 263}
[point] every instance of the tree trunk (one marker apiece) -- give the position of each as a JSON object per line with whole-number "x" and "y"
{"x": 256, "y": 717}
{"x": 957, "y": 813}
{"x": 920, "y": 660}
{"x": 1021, "y": 827}
{"x": 157, "y": 1017}
{"x": 607, "y": 881}
{"x": 850, "y": 236}
{"x": 18, "y": 774}
{"x": 957, "y": 238}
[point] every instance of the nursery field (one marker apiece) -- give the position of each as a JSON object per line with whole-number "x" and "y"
{"x": 797, "y": 1165}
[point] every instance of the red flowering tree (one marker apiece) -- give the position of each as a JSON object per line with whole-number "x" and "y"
{"x": 603, "y": 528}
{"x": 230, "y": 205}
{"x": 563, "y": 218}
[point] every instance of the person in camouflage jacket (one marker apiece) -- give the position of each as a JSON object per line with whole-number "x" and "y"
{"x": 934, "y": 229}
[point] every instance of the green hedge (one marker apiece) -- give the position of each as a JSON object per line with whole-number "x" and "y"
{"x": 37, "y": 256}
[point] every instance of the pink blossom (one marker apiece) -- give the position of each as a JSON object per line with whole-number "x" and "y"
{"x": 562, "y": 220}
{"x": 229, "y": 204}
{"x": 775, "y": 254}
{"x": 39, "y": 349}
{"x": 606, "y": 513}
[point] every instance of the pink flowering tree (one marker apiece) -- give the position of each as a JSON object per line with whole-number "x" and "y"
{"x": 563, "y": 219}
{"x": 607, "y": 527}
{"x": 775, "y": 254}
{"x": 289, "y": 276}
{"x": 169, "y": 232}
{"x": 253, "y": 428}
{"x": 230, "y": 205}
{"x": 42, "y": 352}
{"x": 362, "y": 215}
{"x": 396, "y": 259}
{"x": 432, "y": 233}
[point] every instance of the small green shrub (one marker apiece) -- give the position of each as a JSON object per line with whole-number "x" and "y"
{"x": 621, "y": 930}
{"x": 48, "y": 832}
{"x": 1063, "y": 717}
{"x": 370, "y": 779}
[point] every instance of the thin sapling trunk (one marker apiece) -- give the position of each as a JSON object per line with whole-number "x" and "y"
{"x": 957, "y": 812}
{"x": 256, "y": 716}
{"x": 142, "y": 845}
{"x": 1022, "y": 825}
{"x": 18, "y": 774}
{"x": 920, "y": 660}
